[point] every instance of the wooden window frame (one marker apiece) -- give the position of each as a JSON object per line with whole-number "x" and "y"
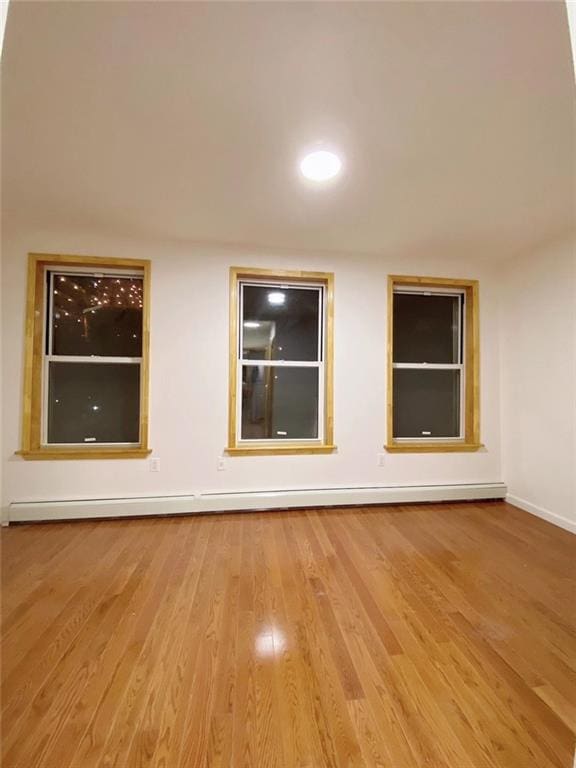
{"x": 32, "y": 447}
{"x": 471, "y": 439}
{"x": 264, "y": 448}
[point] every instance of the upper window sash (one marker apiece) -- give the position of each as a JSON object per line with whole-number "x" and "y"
{"x": 58, "y": 282}
{"x": 278, "y": 287}
{"x": 458, "y": 342}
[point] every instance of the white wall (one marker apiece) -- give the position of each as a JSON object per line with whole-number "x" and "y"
{"x": 189, "y": 378}
{"x": 538, "y": 364}
{"x": 3, "y": 513}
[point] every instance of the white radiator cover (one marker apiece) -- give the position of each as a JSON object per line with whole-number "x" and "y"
{"x": 206, "y": 502}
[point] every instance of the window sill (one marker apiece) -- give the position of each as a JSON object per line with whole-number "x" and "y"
{"x": 280, "y": 450}
{"x": 448, "y": 447}
{"x": 51, "y": 453}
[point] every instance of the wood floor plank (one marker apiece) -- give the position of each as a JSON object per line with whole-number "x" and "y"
{"x": 57, "y": 696}
{"x": 437, "y": 635}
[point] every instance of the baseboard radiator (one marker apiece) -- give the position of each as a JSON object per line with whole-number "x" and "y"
{"x": 201, "y": 503}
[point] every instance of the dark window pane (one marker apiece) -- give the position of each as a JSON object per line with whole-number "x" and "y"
{"x": 426, "y": 403}
{"x": 279, "y": 403}
{"x": 97, "y": 316}
{"x": 93, "y": 403}
{"x": 280, "y": 323}
{"x": 426, "y": 328}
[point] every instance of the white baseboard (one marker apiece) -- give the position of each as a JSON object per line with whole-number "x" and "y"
{"x": 545, "y": 514}
{"x": 236, "y": 502}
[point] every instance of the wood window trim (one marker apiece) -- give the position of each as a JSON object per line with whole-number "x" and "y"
{"x": 471, "y": 441}
{"x": 294, "y": 447}
{"x": 32, "y": 447}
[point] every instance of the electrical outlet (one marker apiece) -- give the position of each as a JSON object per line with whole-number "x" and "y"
{"x": 381, "y": 459}
{"x": 221, "y": 464}
{"x": 154, "y": 465}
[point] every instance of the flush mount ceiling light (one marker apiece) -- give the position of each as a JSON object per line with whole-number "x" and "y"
{"x": 320, "y": 165}
{"x": 277, "y": 298}
{"x": 251, "y": 324}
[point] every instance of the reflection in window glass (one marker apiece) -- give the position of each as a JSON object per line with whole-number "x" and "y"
{"x": 279, "y": 403}
{"x": 426, "y": 403}
{"x": 280, "y": 323}
{"x": 100, "y": 316}
{"x": 426, "y": 328}
{"x": 93, "y": 402}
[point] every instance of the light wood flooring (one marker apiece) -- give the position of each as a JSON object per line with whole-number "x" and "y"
{"x": 438, "y": 636}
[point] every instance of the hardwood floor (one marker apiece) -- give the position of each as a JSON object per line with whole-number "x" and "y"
{"x": 414, "y": 636}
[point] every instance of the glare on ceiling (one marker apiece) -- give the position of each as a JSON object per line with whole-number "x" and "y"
{"x": 320, "y": 165}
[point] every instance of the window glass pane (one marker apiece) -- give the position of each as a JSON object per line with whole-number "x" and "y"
{"x": 426, "y": 328}
{"x": 93, "y": 402}
{"x": 279, "y": 403}
{"x": 426, "y": 403}
{"x": 280, "y": 323}
{"x": 97, "y": 315}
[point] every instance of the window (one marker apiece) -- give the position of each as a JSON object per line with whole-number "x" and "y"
{"x": 86, "y": 380}
{"x": 432, "y": 365}
{"x": 280, "y": 362}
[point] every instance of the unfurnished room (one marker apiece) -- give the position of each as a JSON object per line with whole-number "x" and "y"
{"x": 288, "y": 384}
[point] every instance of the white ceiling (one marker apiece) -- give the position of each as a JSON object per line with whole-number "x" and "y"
{"x": 186, "y": 120}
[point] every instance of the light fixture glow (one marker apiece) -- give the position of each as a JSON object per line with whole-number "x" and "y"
{"x": 251, "y": 324}
{"x": 320, "y": 165}
{"x": 276, "y": 298}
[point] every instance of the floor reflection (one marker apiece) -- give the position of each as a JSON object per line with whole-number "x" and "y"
{"x": 269, "y": 642}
